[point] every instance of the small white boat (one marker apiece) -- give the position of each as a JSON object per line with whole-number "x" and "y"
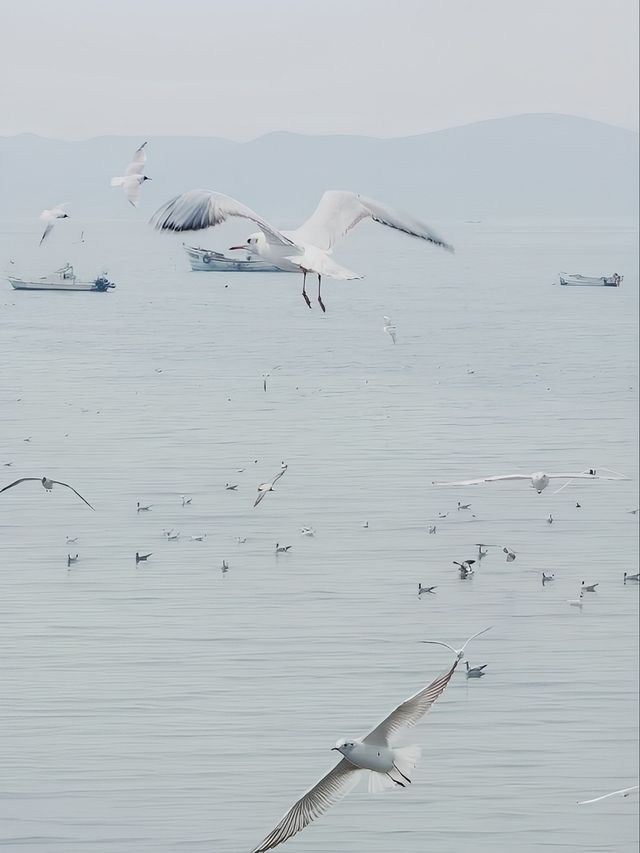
{"x": 205, "y": 260}
{"x": 614, "y": 280}
{"x": 62, "y": 279}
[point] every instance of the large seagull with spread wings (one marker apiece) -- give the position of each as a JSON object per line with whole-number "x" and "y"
{"x": 307, "y": 248}
{"x": 371, "y": 756}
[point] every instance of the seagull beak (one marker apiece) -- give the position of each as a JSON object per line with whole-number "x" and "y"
{"x": 234, "y": 248}
{"x": 334, "y": 749}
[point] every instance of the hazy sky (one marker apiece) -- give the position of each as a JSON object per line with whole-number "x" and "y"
{"x": 240, "y": 68}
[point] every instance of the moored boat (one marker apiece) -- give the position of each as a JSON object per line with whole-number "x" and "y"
{"x": 614, "y": 280}
{"x": 62, "y": 279}
{"x": 205, "y": 260}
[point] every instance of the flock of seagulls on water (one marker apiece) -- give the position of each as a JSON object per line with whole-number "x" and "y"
{"x": 308, "y": 250}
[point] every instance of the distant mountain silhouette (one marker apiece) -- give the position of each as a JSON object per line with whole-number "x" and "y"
{"x": 538, "y": 166}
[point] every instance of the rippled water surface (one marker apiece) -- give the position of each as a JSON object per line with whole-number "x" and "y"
{"x": 172, "y": 708}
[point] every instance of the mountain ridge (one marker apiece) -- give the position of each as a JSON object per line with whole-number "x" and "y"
{"x": 537, "y": 164}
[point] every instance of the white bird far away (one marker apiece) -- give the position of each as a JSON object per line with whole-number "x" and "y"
{"x": 389, "y": 329}
{"x": 538, "y": 480}
{"x": 372, "y": 756}
{"x": 263, "y": 488}
{"x": 51, "y": 217}
{"x": 305, "y": 249}
{"x": 134, "y": 176}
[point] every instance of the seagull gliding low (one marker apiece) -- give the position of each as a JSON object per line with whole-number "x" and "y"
{"x": 386, "y": 766}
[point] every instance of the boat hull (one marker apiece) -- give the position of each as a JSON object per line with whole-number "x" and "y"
{"x": 19, "y": 284}
{"x": 205, "y": 260}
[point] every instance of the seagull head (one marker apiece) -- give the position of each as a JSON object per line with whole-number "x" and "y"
{"x": 343, "y": 746}
{"x": 145, "y": 178}
{"x": 252, "y": 244}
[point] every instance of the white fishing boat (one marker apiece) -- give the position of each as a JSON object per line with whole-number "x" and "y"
{"x": 205, "y": 260}
{"x": 62, "y": 279}
{"x": 614, "y": 280}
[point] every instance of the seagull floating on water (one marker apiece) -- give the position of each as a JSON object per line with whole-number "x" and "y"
{"x": 71, "y": 559}
{"x": 539, "y": 480}
{"x": 547, "y": 578}
{"x": 475, "y": 671}
{"x": 576, "y": 602}
{"x": 589, "y": 587}
{"x": 72, "y": 540}
{"x": 133, "y": 178}
{"x": 432, "y": 529}
{"x": 550, "y": 519}
{"x": 47, "y": 485}
{"x": 307, "y": 531}
{"x": 429, "y": 589}
{"x": 463, "y": 506}
{"x": 224, "y": 568}
{"x": 628, "y": 577}
{"x": 263, "y": 488}
{"x": 511, "y": 555}
{"x": 282, "y": 549}
{"x": 371, "y": 755}
{"x": 142, "y": 558}
{"x": 141, "y": 508}
{"x": 230, "y": 487}
{"x": 185, "y": 500}
{"x": 51, "y": 217}
{"x": 307, "y": 248}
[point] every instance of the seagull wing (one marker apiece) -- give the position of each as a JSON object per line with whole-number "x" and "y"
{"x": 132, "y": 191}
{"x": 582, "y": 476}
{"x": 317, "y": 800}
{"x": 410, "y": 711}
{"x": 280, "y": 473}
{"x": 486, "y": 480}
{"x": 339, "y": 211}
{"x": 17, "y": 482}
{"x": 58, "y": 483}
{"x": 624, "y": 791}
{"x": 198, "y": 209}
{"x": 260, "y": 496}
{"x": 47, "y": 231}
{"x": 136, "y": 166}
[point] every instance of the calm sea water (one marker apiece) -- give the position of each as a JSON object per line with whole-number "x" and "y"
{"x": 169, "y": 708}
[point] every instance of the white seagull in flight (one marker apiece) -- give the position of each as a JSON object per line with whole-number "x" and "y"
{"x": 47, "y": 484}
{"x": 51, "y": 217}
{"x": 134, "y": 176}
{"x": 305, "y": 249}
{"x": 371, "y": 755}
{"x": 389, "y": 328}
{"x": 263, "y": 488}
{"x": 538, "y": 480}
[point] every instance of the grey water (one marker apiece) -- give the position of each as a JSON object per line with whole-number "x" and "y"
{"x": 170, "y": 707}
